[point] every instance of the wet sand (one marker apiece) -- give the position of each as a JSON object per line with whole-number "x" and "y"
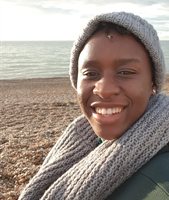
{"x": 33, "y": 114}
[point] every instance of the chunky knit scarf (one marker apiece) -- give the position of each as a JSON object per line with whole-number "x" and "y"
{"x": 78, "y": 168}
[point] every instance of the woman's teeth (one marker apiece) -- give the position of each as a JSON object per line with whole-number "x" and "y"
{"x": 108, "y": 111}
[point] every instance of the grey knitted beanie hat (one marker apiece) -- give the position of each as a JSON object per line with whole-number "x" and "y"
{"x": 138, "y": 27}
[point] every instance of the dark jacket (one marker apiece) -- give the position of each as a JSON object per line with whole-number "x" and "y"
{"x": 151, "y": 182}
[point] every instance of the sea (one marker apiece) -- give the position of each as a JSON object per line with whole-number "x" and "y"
{"x": 41, "y": 59}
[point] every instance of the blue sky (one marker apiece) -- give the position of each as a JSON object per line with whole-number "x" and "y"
{"x": 63, "y": 19}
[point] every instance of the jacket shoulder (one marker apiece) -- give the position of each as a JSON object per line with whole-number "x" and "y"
{"x": 151, "y": 182}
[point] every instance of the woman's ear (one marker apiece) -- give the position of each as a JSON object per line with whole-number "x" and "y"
{"x": 154, "y": 90}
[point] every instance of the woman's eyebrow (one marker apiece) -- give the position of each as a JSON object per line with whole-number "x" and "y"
{"x": 118, "y": 61}
{"x": 127, "y": 60}
{"x": 90, "y": 63}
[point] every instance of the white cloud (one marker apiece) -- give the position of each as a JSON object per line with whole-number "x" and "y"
{"x": 62, "y": 20}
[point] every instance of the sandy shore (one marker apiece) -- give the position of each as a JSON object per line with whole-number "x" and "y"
{"x": 33, "y": 114}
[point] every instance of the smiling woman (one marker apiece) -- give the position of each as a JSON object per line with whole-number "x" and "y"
{"x": 117, "y": 72}
{"x": 117, "y": 92}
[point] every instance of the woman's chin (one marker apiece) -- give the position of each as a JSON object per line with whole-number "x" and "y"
{"x": 108, "y": 135}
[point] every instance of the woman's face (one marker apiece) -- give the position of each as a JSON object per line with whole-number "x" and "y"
{"x": 114, "y": 83}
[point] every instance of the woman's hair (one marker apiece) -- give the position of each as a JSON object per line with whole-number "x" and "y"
{"x": 108, "y": 27}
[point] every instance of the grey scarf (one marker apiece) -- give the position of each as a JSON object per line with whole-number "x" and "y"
{"x": 77, "y": 168}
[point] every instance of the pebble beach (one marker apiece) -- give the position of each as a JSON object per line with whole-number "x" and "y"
{"x": 33, "y": 115}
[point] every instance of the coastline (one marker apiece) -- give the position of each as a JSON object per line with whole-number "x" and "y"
{"x": 33, "y": 115}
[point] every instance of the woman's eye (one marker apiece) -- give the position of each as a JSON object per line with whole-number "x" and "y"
{"x": 126, "y": 73}
{"x": 90, "y": 74}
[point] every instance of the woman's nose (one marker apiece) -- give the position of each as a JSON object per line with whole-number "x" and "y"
{"x": 106, "y": 88}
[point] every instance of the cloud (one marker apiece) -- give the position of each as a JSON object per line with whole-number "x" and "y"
{"x": 51, "y": 10}
{"x": 48, "y": 7}
{"x": 144, "y": 2}
{"x": 50, "y": 15}
{"x": 84, "y": 7}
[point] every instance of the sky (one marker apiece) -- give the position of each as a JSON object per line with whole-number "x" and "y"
{"x": 63, "y": 19}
